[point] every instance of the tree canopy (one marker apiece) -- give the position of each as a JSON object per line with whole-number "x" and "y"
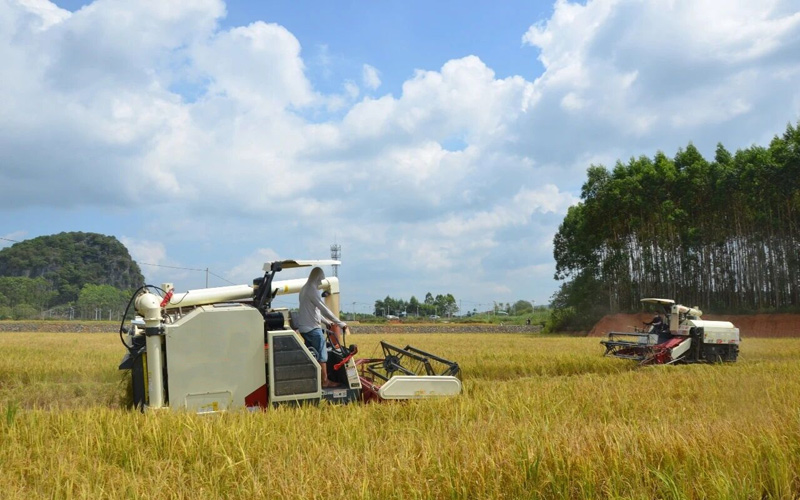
{"x": 721, "y": 234}
{"x": 68, "y": 261}
{"x": 443, "y": 305}
{"x": 105, "y": 299}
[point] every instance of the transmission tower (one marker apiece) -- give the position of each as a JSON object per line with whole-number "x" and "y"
{"x": 336, "y": 254}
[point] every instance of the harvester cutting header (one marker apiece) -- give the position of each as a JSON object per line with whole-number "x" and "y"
{"x": 217, "y": 349}
{"x": 676, "y": 335}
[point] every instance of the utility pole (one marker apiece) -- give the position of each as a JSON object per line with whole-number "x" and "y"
{"x": 336, "y": 254}
{"x": 206, "y": 277}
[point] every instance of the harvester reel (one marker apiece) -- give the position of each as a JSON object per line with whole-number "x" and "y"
{"x": 391, "y": 364}
{"x": 408, "y": 361}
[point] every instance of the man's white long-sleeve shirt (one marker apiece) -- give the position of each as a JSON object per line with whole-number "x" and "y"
{"x": 313, "y": 310}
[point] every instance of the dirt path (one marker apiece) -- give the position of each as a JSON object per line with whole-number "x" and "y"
{"x": 754, "y": 325}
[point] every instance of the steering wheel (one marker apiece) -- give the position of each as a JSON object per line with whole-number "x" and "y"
{"x": 339, "y": 349}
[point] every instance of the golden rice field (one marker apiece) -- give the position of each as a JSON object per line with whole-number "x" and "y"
{"x": 540, "y": 417}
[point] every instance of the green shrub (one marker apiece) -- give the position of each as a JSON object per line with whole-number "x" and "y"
{"x": 24, "y": 311}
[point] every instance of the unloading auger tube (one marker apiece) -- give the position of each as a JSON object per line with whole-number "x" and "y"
{"x": 217, "y": 349}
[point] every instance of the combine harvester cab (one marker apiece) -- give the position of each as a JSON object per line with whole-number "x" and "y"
{"x": 226, "y": 348}
{"x": 676, "y": 335}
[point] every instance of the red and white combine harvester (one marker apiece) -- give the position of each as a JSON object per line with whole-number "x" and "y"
{"x": 676, "y": 335}
{"x": 219, "y": 349}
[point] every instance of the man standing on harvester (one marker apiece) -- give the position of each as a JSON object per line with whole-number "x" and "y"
{"x": 312, "y": 313}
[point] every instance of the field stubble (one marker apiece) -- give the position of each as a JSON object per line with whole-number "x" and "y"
{"x": 540, "y": 417}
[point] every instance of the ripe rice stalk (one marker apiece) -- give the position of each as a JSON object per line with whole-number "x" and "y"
{"x": 540, "y": 417}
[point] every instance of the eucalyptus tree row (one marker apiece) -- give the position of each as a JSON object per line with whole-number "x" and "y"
{"x": 721, "y": 234}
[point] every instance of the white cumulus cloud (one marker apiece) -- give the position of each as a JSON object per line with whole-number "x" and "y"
{"x": 213, "y": 141}
{"x": 656, "y": 75}
{"x": 371, "y": 77}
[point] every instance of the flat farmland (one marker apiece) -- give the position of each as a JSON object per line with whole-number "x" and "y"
{"x": 540, "y": 417}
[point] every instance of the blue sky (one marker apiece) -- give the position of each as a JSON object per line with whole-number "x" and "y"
{"x": 440, "y": 143}
{"x": 399, "y": 37}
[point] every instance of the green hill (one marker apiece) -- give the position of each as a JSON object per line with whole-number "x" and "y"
{"x": 68, "y": 261}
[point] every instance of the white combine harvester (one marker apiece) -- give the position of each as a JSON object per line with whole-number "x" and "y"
{"x": 676, "y": 335}
{"x": 218, "y": 349}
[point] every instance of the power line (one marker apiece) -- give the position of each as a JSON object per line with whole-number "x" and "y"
{"x": 172, "y": 267}
{"x": 162, "y": 265}
{"x": 189, "y": 269}
{"x": 220, "y": 277}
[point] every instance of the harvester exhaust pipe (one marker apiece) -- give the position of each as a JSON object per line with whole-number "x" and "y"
{"x": 148, "y": 305}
